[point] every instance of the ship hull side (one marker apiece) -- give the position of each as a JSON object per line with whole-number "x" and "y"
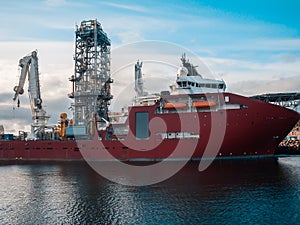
{"x": 252, "y": 130}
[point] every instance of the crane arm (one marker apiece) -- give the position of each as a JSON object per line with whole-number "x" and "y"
{"x": 29, "y": 66}
{"x": 24, "y": 64}
{"x": 34, "y": 83}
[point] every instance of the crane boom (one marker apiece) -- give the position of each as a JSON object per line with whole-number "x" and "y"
{"x": 29, "y": 66}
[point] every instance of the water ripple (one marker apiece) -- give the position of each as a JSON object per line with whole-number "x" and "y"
{"x": 229, "y": 192}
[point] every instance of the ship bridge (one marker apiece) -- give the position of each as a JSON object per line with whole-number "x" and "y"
{"x": 289, "y": 100}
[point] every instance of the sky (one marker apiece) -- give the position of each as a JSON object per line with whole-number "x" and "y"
{"x": 254, "y": 46}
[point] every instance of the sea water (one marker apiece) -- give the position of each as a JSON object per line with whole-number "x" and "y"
{"x": 244, "y": 191}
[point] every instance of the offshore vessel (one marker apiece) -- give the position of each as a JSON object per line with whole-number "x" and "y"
{"x": 196, "y": 119}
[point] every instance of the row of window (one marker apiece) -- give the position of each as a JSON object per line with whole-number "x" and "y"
{"x": 194, "y": 84}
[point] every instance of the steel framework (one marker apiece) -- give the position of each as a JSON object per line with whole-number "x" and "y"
{"x": 291, "y": 100}
{"x": 91, "y": 81}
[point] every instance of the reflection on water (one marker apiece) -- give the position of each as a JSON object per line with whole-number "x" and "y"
{"x": 256, "y": 191}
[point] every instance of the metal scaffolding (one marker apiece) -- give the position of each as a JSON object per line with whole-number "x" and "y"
{"x": 91, "y": 81}
{"x": 290, "y": 100}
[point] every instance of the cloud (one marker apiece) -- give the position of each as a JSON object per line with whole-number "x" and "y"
{"x": 55, "y": 67}
{"x": 136, "y": 8}
{"x": 254, "y": 69}
{"x": 255, "y": 87}
{"x": 255, "y": 77}
{"x": 129, "y": 36}
{"x": 274, "y": 44}
{"x": 161, "y": 60}
{"x": 243, "y": 76}
{"x": 55, "y": 3}
{"x": 14, "y": 119}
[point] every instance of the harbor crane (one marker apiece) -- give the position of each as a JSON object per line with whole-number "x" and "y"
{"x": 29, "y": 66}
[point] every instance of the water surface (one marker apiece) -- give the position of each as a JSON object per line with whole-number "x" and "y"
{"x": 253, "y": 191}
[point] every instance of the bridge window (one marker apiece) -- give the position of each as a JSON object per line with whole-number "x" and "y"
{"x": 221, "y": 86}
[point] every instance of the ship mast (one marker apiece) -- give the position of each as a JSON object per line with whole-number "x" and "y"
{"x": 190, "y": 67}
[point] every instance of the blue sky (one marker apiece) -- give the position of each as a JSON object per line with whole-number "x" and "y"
{"x": 230, "y": 29}
{"x": 219, "y": 27}
{"x": 253, "y": 45}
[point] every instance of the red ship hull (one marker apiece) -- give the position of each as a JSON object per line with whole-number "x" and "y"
{"x": 254, "y": 128}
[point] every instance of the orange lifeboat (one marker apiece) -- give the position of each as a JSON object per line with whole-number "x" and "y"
{"x": 204, "y": 104}
{"x": 175, "y": 105}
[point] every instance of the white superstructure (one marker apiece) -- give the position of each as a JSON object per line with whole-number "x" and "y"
{"x": 189, "y": 81}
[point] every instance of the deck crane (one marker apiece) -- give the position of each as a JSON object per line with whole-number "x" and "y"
{"x": 29, "y": 65}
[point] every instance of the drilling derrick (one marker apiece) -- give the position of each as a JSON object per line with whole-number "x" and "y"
{"x": 91, "y": 81}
